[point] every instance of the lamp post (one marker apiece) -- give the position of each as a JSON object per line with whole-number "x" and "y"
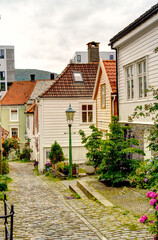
{"x": 69, "y": 117}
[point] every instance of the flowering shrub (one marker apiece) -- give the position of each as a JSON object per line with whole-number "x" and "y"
{"x": 146, "y": 175}
{"x": 154, "y": 223}
{"x": 48, "y": 165}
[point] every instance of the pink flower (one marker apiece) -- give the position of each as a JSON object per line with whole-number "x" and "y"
{"x": 153, "y": 195}
{"x": 157, "y": 207}
{"x": 143, "y": 219}
{"x": 148, "y": 194}
{"x": 153, "y": 201}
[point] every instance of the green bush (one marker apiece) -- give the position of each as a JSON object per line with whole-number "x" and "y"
{"x": 3, "y": 186}
{"x": 116, "y": 164}
{"x": 26, "y": 152}
{"x": 56, "y": 153}
{"x": 93, "y": 144}
{"x": 5, "y": 167}
{"x": 146, "y": 175}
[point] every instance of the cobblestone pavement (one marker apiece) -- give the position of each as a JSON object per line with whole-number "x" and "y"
{"x": 44, "y": 210}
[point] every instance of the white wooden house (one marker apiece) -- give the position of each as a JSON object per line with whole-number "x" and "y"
{"x": 74, "y": 85}
{"x": 105, "y": 94}
{"x": 137, "y": 68}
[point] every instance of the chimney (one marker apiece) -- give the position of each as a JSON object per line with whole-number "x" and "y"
{"x": 93, "y": 52}
{"x": 52, "y": 76}
{"x": 32, "y": 76}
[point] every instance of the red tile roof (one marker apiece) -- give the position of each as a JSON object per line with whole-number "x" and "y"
{"x": 110, "y": 67}
{"x": 31, "y": 108}
{"x": 65, "y": 86}
{"x": 4, "y": 133}
{"x": 18, "y": 93}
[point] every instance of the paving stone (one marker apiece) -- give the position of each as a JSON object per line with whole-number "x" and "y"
{"x": 42, "y": 211}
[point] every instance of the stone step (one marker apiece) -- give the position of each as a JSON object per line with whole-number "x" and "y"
{"x": 77, "y": 190}
{"x": 92, "y": 193}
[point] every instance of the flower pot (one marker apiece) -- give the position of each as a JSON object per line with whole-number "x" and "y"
{"x": 89, "y": 169}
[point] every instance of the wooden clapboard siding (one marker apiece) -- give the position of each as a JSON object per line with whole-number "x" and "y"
{"x": 103, "y": 114}
{"x": 53, "y": 125}
{"x": 142, "y": 45}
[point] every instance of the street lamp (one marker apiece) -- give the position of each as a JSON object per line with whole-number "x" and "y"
{"x": 69, "y": 117}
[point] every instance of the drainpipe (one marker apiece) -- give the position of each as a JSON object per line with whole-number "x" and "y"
{"x": 113, "y": 104}
{"x": 116, "y": 78}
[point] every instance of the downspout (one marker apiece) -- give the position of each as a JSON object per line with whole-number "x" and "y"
{"x": 116, "y": 78}
{"x": 113, "y": 104}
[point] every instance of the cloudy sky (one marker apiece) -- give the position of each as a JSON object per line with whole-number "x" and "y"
{"x": 46, "y": 33}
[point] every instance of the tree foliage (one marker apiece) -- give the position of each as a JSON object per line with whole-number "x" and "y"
{"x": 117, "y": 162}
{"x": 56, "y": 153}
{"x": 93, "y": 144}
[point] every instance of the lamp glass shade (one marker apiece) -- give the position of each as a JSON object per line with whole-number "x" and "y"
{"x": 70, "y": 114}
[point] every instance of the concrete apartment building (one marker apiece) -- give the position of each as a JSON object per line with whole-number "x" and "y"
{"x": 82, "y": 56}
{"x": 7, "y": 68}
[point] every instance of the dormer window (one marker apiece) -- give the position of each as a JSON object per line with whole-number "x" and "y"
{"x": 77, "y": 77}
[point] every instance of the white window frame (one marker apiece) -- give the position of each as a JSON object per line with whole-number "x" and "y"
{"x": 14, "y": 126}
{"x": 93, "y": 116}
{"x": 142, "y": 75}
{"x": 135, "y": 77}
{"x": 14, "y": 109}
{"x": 103, "y": 95}
{"x": 130, "y": 79}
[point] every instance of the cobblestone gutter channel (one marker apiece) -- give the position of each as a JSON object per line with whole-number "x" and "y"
{"x": 42, "y": 212}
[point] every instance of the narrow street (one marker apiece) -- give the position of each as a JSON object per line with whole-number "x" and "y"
{"x": 44, "y": 209}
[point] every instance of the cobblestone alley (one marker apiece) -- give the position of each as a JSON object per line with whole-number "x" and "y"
{"x": 43, "y": 210}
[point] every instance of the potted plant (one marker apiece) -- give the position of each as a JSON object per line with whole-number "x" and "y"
{"x": 56, "y": 154}
{"x": 74, "y": 166}
{"x": 47, "y": 166}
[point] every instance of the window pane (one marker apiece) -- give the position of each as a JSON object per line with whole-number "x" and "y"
{"x": 90, "y": 117}
{"x": 144, "y": 66}
{"x": 78, "y": 58}
{"x": 84, "y": 116}
{"x": 140, "y": 87}
{"x": 90, "y": 107}
{"x": 132, "y": 71}
{"x": 140, "y": 67}
{"x": 84, "y": 107}
{"x": 2, "y": 86}
{"x": 128, "y": 89}
{"x": 145, "y": 87}
{"x": 128, "y": 73}
{"x": 13, "y": 115}
{"x": 14, "y": 132}
{"x": 132, "y": 88}
{"x": 2, "y": 75}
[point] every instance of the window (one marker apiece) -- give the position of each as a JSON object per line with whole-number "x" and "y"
{"x": 111, "y": 57}
{"x": 87, "y": 113}
{"x": 77, "y": 77}
{"x": 14, "y": 132}
{"x": 2, "y": 75}
{"x": 2, "y": 86}
{"x": 78, "y": 58}
{"x": 14, "y": 115}
{"x": 142, "y": 81}
{"x": 28, "y": 121}
{"x": 1, "y": 53}
{"x": 130, "y": 82}
{"x": 103, "y": 95}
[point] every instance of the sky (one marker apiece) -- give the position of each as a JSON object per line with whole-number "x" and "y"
{"x": 46, "y": 33}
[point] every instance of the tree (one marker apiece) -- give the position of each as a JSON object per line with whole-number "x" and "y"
{"x": 93, "y": 145}
{"x": 10, "y": 144}
{"x": 56, "y": 153}
{"x": 116, "y": 163}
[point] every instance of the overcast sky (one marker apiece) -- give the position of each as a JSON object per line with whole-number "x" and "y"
{"x": 46, "y": 33}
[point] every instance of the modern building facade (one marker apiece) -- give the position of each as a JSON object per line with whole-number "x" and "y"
{"x": 7, "y": 68}
{"x": 83, "y": 56}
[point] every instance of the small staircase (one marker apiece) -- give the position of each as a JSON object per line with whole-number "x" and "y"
{"x": 84, "y": 190}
